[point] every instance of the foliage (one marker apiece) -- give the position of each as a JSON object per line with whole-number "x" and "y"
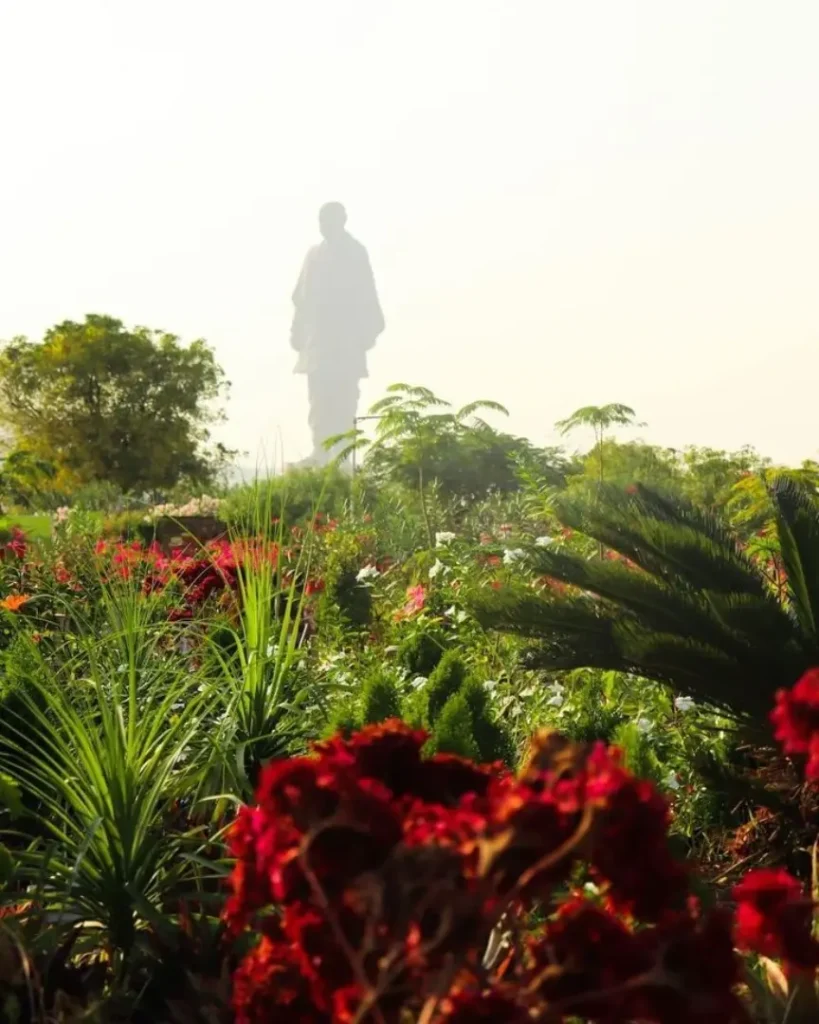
{"x": 418, "y": 440}
{"x": 25, "y": 477}
{"x": 147, "y": 692}
{"x": 681, "y": 601}
{"x": 102, "y": 403}
{"x": 421, "y": 651}
{"x": 445, "y": 681}
{"x": 379, "y": 699}
{"x": 600, "y": 418}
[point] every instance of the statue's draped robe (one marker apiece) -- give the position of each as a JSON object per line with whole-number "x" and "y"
{"x": 337, "y": 319}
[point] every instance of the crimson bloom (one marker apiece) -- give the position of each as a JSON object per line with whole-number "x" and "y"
{"x": 390, "y": 869}
{"x": 796, "y": 721}
{"x": 774, "y": 918}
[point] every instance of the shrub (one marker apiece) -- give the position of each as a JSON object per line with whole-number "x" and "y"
{"x": 444, "y": 682}
{"x": 379, "y": 699}
{"x": 493, "y": 742}
{"x": 353, "y": 600}
{"x": 421, "y": 652}
{"x": 454, "y": 730}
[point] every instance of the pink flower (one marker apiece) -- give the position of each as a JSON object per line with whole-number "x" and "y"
{"x": 416, "y": 599}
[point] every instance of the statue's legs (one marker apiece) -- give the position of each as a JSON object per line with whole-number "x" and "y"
{"x": 333, "y": 401}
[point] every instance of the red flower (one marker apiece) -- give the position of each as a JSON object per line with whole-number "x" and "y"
{"x": 18, "y": 544}
{"x": 594, "y": 955}
{"x": 774, "y": 918}
{"x": 631, "y": 846}
{"x": 466, "y": 1007}
{"x": 796, "y": 720}
{"x": 592, "y": 966}
{"x": 390, "y": 871}
{"x": 268, "y": 986}
{"x": 313, "y": 587}
{"x": 179, "y": 614}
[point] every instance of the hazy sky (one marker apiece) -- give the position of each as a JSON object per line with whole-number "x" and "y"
{"x": 564, "y": 202}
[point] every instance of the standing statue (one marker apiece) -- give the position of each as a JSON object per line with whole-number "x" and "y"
{"x": 336, "y": 321}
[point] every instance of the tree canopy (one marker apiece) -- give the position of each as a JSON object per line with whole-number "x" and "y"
{"x": 101, "y": 402}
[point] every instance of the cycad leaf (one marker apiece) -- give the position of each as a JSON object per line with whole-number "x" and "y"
{"x": 797, "y": 520}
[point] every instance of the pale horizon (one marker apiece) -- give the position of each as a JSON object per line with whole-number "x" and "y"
{"x": 563, "y": 204}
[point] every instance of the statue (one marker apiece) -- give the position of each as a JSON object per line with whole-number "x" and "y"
{"x": 336, "y": 321}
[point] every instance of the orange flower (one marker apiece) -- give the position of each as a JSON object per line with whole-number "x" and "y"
{"x": 14, "y": 602}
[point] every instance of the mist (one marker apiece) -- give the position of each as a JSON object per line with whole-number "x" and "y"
{"x": 562, "y": 204}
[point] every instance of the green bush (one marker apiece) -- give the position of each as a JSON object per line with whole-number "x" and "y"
{"x": 493, "y": 741}
{"x": 453, "y": 732}
{"x": 379, "y": 699}
{"x": 638, "y": 756}
{"x": 353, "y": 601}
{"x": 421, "y": 652}
{"x": 444, "y": 682}
{"x": 128, "y": 526}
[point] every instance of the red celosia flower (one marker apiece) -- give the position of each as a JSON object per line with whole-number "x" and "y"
{"x": 390, "y": 869}
{"x": 682, "y": 972}
{"x": 320, "y": 955}
{"x": 595, "y": 955}
{"x": 774, "y": 918}
{"x": 179, "y": 614}
{"x": 469, "y": 1006}
{"x": 796, "y": 720}
{"x": 631, "y": 844}
{"x": 268, "y": 986}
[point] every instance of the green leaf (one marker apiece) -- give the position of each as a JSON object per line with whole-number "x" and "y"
{"x": 10, "y": 797}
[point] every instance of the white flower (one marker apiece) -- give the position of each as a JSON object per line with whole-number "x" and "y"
{"x": 671, "y": 781}
{"x": 683, "y": 703}
{"x": 528, "y": 692}
{"x": 544, "y": 542}
{"x": 436, "y": 569}
{"x": 418, "y": 682}
{"x": 443, "y": 538}
{"x": 513, "y": 555}
{"x": 490, "y": 685}
{"x": 369, "y": 572}
{"x": 558, "y": 696}
{"x": 645, "y": 725}
{"x": 62, "y": 514}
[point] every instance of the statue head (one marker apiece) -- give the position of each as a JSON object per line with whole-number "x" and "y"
{"x": 332, "y": 220}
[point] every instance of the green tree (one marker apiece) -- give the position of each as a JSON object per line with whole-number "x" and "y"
{"x": 600, "y": 418}
{"x": 25, "y": 476}
{"x": 101, "y": 402}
